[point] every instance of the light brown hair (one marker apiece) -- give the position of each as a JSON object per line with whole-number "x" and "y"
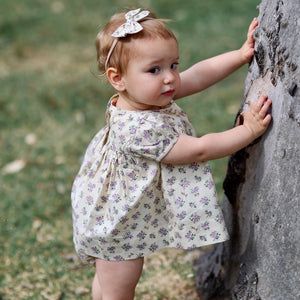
{"x": 152, "y": 28}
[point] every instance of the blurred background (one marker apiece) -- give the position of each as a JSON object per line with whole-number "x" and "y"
{"x": 51, "y": 106}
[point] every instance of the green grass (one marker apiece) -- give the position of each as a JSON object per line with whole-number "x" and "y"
{"x": 51, "y": 106}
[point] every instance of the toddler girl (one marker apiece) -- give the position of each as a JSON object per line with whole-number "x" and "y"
{"x": 144, "y": 183}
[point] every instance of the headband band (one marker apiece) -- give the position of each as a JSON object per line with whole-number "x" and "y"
{"x": 130, "y": 27}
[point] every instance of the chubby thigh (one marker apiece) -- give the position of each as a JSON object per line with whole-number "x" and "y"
{"x": 118, "y": 279}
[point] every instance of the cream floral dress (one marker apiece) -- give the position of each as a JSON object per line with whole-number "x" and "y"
{"x": 127, "y": 204}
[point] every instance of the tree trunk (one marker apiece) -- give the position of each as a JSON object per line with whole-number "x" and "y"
{"x": 262, "y": 185}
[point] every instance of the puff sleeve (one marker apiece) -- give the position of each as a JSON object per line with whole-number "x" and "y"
{"x": 153, "y": 138}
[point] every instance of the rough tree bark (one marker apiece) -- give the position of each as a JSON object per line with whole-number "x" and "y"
{"x": 262, "y": 185}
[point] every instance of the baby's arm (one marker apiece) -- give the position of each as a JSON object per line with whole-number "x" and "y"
{"x": 210, "y": 71}
{"x": 190, "y": 149}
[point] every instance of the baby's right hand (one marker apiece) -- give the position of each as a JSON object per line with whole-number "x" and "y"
{"x": 256, "y": 119}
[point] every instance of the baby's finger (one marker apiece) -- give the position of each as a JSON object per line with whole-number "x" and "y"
{"x": 267, "y": 120}
{"x": 264, "y": 109}
{"x": 253, "y": 24}
{"x": 257, "y": 104}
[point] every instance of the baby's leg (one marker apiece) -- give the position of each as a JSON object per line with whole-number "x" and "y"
{"x": 96, "y": 289}
{"x": 117, "y": 279}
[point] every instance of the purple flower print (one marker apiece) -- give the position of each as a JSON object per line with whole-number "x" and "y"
{"x": 115, "y": 232}
{"x": 163, "y": 231}
{"x": 166, "y": 243}
{"x": 153, "y": 173}
{"x": 138, "y": 141}
{"x": 145, "y": 166}
{"x": 206, "y": 170}
{"x": 204, "y": 201}
{"x": 147, "y": 218}
{"x": 147, "y": 134}
{"x": 195, "y": 191}
{"x": 215, "y": 235}
{"x": 84, "y": 244}
{"x": 111, "y": 249}
{"x": 205, "y": 225}
{"x": 181, "y": 215}
{"x": 219, "y": 218}
{"x": 141, "y": 246}
{"x": 132, "y": 188}
{"x": 150, "y": 194}
{"x": 136, "y": 215}
{"x": 123, "y": 220}
{"x": 182, "y": 170}
{"x": 179, "y": 202}
{"x": 95, "y": 250}
{"x": 126, "y": 247}
{"x": 184, "y": 183}
{"x": 190, "y": 236}
{"x": 116, "y": 198}
{"x": 195, "y": 218}
{"x": 178, "y": 235}
{"x": 141, "y": 235}
{"x": 118, "y": 258}
{"x": 89, "y": 200}
{"x": 126, "y": 208}
{"x": 181, "y": 227}
{"x": 217, "y": 205}
{"x": 209, "y": 184}
{"x": 104, "y": 199}
{"x": 170, "y": 168}
{"x": 127, "y": 235}
{"x": 103, "y": 241}
{"x": 84, "y": 211}
{"x": 171, "y": 180}
{"x": 121, "y": 125}
{"x": 122, "y": 138}
{"x": 166, "y": 142}
{"x": 132, "y": 175}
{"x": 132, "y": 129}
{"x": 208, "y": 213}
{"x": 192, "y": 247}
{"x": 198, "y": 178}
{"x": 113, "y": 185}
{"x": 156, "y": 201}
{"x": 99, "y": 220}
{"x": 91, "y": 187}
{"x": 153, "y": 247}
{"x": 194, "y": 166}
{"x": 171, "y": 192}
{"x": 91, "y": 174}
{"x": 154, "y": 223}
{"x": 192, "y": 205}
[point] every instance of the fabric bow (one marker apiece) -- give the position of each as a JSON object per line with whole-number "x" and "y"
{"x": 131, "y": 26}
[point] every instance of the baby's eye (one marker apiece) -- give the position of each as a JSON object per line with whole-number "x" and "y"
{"x": 154, "y": 70}
{"x": 174, "y": 66}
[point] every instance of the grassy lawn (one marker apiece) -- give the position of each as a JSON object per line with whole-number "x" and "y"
{"x": 51, "y": 106}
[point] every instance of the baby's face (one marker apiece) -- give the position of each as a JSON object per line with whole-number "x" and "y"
{"x": 152, "y": 77}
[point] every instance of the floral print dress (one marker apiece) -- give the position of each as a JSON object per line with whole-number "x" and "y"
{"x": 127, "y": 204}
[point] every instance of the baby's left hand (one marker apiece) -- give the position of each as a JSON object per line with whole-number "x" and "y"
{"x": 247, "y": 50}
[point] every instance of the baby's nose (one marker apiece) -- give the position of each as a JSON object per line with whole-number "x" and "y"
{"x": 169, "y": 77}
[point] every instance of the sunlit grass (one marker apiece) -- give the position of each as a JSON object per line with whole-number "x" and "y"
{"x": 51, "y": 106}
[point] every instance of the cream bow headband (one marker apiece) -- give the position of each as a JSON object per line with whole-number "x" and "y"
{"x": 130, "y": 27}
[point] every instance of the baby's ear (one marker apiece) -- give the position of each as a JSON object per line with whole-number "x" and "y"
{"x": 115, "y": 79}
